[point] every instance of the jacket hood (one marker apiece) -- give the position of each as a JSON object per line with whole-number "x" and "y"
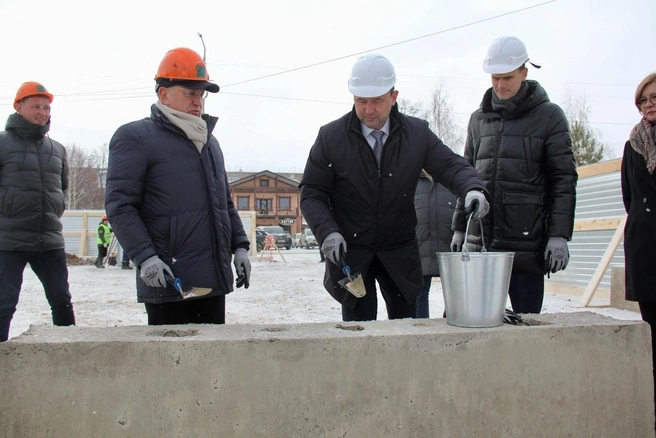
{"x": 536, "y": 96}
{"x": 17, "y": 124}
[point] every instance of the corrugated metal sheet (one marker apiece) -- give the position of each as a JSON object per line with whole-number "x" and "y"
{"x": 597, "y": 197}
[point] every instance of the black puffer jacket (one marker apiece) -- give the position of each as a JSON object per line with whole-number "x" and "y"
{"x": 33, "y": 178}
{"x": 527, "y": 164}
{"x": 342, "y": 191}
{"x": 434, "y": 205}
{"x": 164, "y": 198}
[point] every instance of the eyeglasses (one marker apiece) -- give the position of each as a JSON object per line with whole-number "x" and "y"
{"x": 643, "y": 100}
{"x": 192, "y": 94}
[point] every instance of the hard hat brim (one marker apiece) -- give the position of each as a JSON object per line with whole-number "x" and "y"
{"x": 192, "y": 85}
{"x": 369, "y": 91}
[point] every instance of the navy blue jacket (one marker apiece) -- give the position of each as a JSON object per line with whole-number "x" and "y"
{"x": 164, "y": 198}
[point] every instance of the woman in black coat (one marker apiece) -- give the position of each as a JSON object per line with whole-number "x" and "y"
{"x": 639, "y": 196}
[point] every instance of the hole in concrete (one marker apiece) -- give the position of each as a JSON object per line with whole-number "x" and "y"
{"x": 420, "y": 324}
{"x": 174, "y": 333}
{"x": 275, "y": 329}
{"x": 354, "y": 328}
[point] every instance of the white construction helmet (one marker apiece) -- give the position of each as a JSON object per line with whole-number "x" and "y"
{"x": 372, "y": 75}
{"x": 505, "y": 54}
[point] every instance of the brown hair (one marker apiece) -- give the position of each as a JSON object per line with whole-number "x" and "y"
{"x": 641, "y": 86}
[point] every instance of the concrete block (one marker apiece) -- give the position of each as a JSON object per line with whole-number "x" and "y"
{"x": 566, "y": 375}
{"x": 618, "y": 291}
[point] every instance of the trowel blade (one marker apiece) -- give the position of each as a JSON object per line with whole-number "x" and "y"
{"x": 354, "y": 284}
{"x": 195, "y": 292}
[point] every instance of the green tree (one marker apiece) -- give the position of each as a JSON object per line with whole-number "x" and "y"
{"x": 588, "y": 149}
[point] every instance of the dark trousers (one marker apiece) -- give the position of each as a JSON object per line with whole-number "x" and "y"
{"x": 526, "y": 292}
{"x": 422, "y": 310}
{"x": 50, "y": 268}
{"x": 126, "y": 258}
{"x": 366, "y": 308}
{"x": 193, "y": 311}
{"x": 648, "y": 312}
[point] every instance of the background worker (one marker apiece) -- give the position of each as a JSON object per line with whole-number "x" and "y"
{"x": 434, "y": 205}
{"x": 357, "y": 192}
{"x": 104, "y": 239}
{"x": 520, "y": 144}
{"x": 34, "y": 170}
{"x": 169, "y": 200}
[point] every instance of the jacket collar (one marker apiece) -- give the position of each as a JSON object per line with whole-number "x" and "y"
{"x": 395, "y": 118}
{"x": 536, "y": 96}
{"x": 21, "y": 127}
{"x": 156, "y": 114}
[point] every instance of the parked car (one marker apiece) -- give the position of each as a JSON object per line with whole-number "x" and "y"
{"x": 283, "y": 238}
{"x": 296, "y": 240}
{"x": 307, "y": 239}
{"x": 260, "y": 236}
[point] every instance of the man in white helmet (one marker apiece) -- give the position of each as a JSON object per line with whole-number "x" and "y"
{"x": 357, "y": 192}
{"x": 520, "y": 144}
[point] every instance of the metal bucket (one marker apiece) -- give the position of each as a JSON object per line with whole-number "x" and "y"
{"x": 475, "y": 285}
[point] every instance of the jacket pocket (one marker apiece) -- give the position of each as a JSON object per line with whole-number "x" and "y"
{"x": 6, "y": 195}
{"x": 522, "y": 215}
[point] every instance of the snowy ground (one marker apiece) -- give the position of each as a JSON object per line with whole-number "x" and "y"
{"x": 289, "y": 291}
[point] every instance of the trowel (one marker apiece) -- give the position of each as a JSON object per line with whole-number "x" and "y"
{"x": 191, "y": 292}
{"x": 352, "y": 283}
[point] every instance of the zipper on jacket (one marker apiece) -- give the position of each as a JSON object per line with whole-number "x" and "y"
{"x": 43, "y": 195}
{"x": 494, "y": 180}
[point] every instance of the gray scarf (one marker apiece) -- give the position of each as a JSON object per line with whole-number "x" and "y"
{"x": 508, "y": 106}
{"x": 194, "y": 127}
{"x": 642, "y": 141}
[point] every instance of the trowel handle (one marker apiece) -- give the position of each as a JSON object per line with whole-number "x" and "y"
{"x": 346, "y": 269}
{"x": 175, "y": 282}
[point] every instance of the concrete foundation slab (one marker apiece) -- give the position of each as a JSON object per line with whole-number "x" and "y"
{"x": 566, "y": 375}
{"x": 618, "y": 291}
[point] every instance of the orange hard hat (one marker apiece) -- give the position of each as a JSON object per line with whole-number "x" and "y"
{"x": 31, "y": 88}
{"x": 184, "y": 64}
{"x": 104, "y": 217}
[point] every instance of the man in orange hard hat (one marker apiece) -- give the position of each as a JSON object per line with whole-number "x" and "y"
{"x": 33, "y": 178}
{"x": 169, "y": 201}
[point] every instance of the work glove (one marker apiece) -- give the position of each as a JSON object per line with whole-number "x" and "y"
{"x": 105, "y": 245}
{"x": 556, "y": 255}
{"x": 153, "y": 270}
{"x": 475, "y": 202}
{"x": 457, "y": 241}
{"x": 242, "y": 267}
{"x": 334, "y": 247}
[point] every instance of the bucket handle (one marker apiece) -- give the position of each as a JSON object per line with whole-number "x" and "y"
{"x": 464, "y": 252}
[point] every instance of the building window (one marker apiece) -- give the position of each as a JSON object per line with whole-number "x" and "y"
{"x": 263, "y": 205}
{"x": 264, "y": 183}
{"x": 284, "y": 203}
{"x": 242, "y": 203}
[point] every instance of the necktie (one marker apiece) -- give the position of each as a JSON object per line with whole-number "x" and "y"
{"x": 378, "y": 145}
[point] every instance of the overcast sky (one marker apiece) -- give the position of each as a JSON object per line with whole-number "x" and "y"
{"x": 100, "y": 61}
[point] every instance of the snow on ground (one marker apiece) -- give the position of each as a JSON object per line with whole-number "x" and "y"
{"x": 281, "y": 291}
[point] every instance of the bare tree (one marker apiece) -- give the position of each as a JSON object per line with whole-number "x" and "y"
{"x": 588, "y": 149}
{"x": 441, "y": 118}
{"x": 86, "y": 187}
{"x": 415, "y": 109}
